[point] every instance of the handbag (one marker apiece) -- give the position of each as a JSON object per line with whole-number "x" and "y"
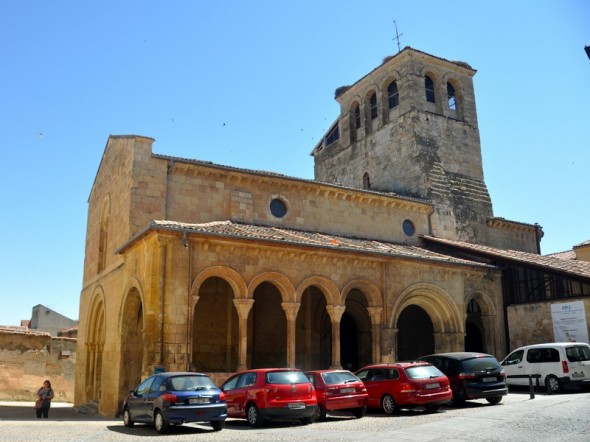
{"x": 38, "y": 403}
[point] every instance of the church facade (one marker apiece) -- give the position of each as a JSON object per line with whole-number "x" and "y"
{"x": 196, "y": 266}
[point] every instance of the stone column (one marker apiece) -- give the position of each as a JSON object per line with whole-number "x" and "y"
{"x": 291, "y": 309}
{"x": 243, "y": 306}
{"x": 375, "y": 313}
{"x": 335, "y": 312}
{"x": 388, "y": 345}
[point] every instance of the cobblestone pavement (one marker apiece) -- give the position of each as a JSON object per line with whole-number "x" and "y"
{"x": 564, "y": 417}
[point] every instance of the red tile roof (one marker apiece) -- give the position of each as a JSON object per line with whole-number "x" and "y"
{"x": 319, "y": 240}
{"x": 547, "y": 262}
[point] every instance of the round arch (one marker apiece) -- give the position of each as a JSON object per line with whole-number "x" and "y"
{"x": 233, "y": 278}
{"x": 280, "y": 281}
{"x": 370, "y": 290}
{"x": 133, "y": 286}
{"x": 484, "y": 301}
{"x": 96, "y": 313}
{"x": 445, "y": 316}
{"x": 94, "y": 345}
{"x": 327, "y": 287}
{"x": 131, "y": 337}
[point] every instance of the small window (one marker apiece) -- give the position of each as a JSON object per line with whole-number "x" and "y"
{"x": 373, "y": 101}
{"x": 366, "y": 181}
{"x": 429, "y": 86}
{"x": 357, "y": 117}
{"x": 278, "y": 207}
{"x": 393, "y": 95}
{"x": 333, "y": 135}
{"x": 452, "y": 100}
{"x": 408, "y": 227}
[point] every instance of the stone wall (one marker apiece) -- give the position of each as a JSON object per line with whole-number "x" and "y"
{"x": 532, "y": 324}
{"x": 28, "y": 358}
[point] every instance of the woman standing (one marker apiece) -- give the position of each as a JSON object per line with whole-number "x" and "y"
{"x": 44, "y": 396}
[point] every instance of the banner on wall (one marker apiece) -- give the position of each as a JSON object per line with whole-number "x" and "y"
{"x": 569, "y": 322}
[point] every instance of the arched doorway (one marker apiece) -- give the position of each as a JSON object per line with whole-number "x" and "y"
{"x": 215, "y": 333}
{"x": 415, "y": 335}
{"x": 474, "y": 328}
{"x": 94, "y": 351}
{"x": 132, "y": 342}
{"x": 355, "y": 332}
{"x": 313, "y": 345}
{"x": 267, "y": 328}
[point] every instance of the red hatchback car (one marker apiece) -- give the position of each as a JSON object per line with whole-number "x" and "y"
{"x": 338, "y": 390}
{"x": 270, "y": 393}
{"x": 392, "y": 387}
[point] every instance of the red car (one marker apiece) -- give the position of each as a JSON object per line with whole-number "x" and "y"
{"x": 392, "y": 387}
{"x": 270, "y": 393}
{"x": 338, "y": 390}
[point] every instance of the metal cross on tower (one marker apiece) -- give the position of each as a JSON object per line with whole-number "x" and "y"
{"x": 397, "y": 36}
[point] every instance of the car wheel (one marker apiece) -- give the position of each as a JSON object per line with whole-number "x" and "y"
{"x": 552, "y": 384}
{"x": 160, "y": 423}
{"x": 494, "y": 400}
{"x": 359, "y": 412}
{"x": 388, "y": 404}
{"x": 253, "y": 415}
{"x": 218, "y": 425}
{"x": 320, "y": 414}
{"x": 127, "y": 418}
{"x": 432, "y": 408}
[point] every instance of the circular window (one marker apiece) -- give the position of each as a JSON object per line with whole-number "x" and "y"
{"x": 408, "y": 227}
{"x": 278, "y": 207}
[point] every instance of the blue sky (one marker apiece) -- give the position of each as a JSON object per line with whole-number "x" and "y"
{"x": 251, "y": 84}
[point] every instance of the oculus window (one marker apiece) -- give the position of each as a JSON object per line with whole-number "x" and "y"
{"x": 278, "y": 207}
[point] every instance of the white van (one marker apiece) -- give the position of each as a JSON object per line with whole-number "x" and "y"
{"x": 559, "y": 365}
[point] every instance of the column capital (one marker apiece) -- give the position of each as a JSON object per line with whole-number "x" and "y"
{"x": 375, "y": 313}
{"x": 335, "y": 312}
{"x": 243, "y": 306}
{"x": 291, "y": 309}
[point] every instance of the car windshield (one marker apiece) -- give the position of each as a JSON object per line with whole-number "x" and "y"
{"x": 286, "y": 377}
{"x": 189, "y": 382}
{"x": 339, "y": 377}
{"x": 423, "y": 371}
{"x": 480, "y": 364}
{"x": 577, "y": 353}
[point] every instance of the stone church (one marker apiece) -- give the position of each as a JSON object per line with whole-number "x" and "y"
{"x": 191, "y": 265}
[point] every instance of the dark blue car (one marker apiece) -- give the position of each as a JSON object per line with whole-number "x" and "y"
{"x": 175, "y": 398}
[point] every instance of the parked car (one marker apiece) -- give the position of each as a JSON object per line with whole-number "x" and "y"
{"x": 392, "y": 387}
{"x": 270, "y": 393}
{"x": 338, "y": 390}
{"x": 559, "y": 365}
{"x": 175, "y": 398}
{"x": 472, "y": 375}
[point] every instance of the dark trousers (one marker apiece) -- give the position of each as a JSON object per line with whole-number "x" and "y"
{"x": 43, "y": 411}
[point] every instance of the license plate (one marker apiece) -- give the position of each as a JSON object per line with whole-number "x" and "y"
{"x": 296, "y": 405}
{"x": 489, "y": 380}
{"x": 199, "y": 400}
{"x": 346, "y": 390}
{"x": 433, "y": 385}
{"x": 578, "y": 374}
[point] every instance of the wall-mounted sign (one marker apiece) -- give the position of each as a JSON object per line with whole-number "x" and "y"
{"x": 569, "y": 322}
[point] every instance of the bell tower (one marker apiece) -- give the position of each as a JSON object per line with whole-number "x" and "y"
{"x": 409, "y": 127}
